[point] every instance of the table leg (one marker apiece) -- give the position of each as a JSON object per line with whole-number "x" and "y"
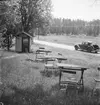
{"x": 46, "y": 61}
{"x": 60, "y": 78}
{"x": 46, "y": 53}
{"x": 36, "y": 56}
{"x": 59, "y": 61}
{"x": 81, "y": 82}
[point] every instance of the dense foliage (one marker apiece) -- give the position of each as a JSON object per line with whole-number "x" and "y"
{"x": 32, "y": 14}
{"x": 76, "y": 27}
{"x": 23, "y": 15}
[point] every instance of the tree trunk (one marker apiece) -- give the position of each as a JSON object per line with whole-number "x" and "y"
{"x": 8, "y": 43}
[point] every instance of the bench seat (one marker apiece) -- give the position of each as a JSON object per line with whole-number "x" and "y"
{"x": 50, "y": 66}
{"x": 69, "y": 82}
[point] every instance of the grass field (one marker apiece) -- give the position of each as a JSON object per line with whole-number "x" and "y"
{"x": 23, "y": 83}
{"x": 69, "y": 40}
{"x": 76, "y": 57}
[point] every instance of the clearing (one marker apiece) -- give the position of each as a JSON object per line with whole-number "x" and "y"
{"x": 23, "y": 72}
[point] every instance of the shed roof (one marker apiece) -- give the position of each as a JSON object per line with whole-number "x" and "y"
{"x": 25, "y": 34}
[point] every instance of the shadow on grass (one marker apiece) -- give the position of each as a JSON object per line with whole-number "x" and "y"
{"x": 49, "y": 73}
{"x": 88, "y": 52}
{"x": 30, "y": 60}
{"x": 54, "y": 96}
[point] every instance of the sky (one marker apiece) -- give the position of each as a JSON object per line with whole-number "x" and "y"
{"x": 87, "y": 10}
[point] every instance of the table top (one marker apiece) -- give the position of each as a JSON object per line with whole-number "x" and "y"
{"x": 43, "y": 50}
{"x": 55, "y": 56}
{"x": 71, "y": 66}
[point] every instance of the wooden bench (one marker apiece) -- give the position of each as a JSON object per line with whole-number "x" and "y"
{"x": 72, "y": 69}
{"x": 61, "y": 58}
{"x": 53, "y": 59}
{"x": 49, "y": 66}
{"x": 65, "y": 83}
{"x": 41, "y": 51}
{"x": 41, "y": 48}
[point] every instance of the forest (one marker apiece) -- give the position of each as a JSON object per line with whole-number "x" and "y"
{"x": 75, "y": 27}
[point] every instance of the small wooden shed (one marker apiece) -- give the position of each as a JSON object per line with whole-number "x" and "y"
{"x": 23, "y": 42}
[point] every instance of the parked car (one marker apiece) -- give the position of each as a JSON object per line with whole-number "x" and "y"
{"x": 87, "y": 46}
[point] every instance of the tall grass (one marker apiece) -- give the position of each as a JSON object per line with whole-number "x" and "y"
{"x": 38, "y": 96}
{"x": 49, "y": 73}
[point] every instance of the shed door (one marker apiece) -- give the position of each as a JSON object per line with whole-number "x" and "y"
{"x": 25, "y": 44}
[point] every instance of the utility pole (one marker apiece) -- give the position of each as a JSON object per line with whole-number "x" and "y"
{"x": 38, "y": 33}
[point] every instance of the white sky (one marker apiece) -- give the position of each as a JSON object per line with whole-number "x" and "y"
{"x": 76, "y": 9}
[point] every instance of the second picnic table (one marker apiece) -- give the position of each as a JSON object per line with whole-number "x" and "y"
{"x": 70, "y": 68}
{"x": 42, "y": 51}
{"x": 47, "y": 58}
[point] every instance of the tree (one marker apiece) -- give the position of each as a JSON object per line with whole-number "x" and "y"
{"x": 33, "y": 14}
{"x": 24, "y": 15}
{"x": 3, "y": 11}
{"x": 8, "y": 21}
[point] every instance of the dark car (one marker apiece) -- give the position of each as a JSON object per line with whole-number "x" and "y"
{"x": 87, "y": 46}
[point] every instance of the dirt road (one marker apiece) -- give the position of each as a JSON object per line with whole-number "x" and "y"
{"x": 63, "y": 46}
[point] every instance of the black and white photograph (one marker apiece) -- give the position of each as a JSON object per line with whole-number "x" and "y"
{"x": 49, "y": 52}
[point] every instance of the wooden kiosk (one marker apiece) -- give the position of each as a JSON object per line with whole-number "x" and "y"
{"x": 23, "y": 42}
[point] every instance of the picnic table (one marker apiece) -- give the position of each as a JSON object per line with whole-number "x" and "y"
{"x": 41, "y": 48}
{"x": 47, "y": 58}
{"x": 42, "y": 51}
{"x": 54, "y": 58}
{"x": 70, "y": 68}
